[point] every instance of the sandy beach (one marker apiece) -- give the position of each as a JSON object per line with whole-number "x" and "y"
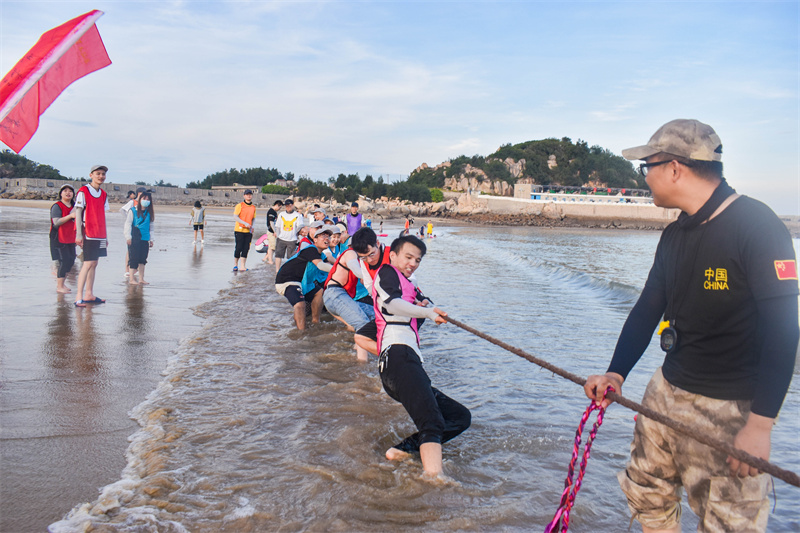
{"x": 70, "y": 377}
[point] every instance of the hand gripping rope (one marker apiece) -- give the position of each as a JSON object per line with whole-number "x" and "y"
{"x": 764, "y": 466}
{"x": 570, "y": 490}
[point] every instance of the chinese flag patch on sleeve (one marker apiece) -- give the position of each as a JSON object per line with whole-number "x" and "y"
{"x": 786, "y": 270}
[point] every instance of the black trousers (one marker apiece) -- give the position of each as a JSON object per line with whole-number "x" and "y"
{"x": 438, "y": 417}
{"x": 242, "y": 243}
{"x": 65, "y": 255}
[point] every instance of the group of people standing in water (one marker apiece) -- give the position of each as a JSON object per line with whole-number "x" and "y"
{"x": 79, "y": 219}
{"x": 341, "y": 266}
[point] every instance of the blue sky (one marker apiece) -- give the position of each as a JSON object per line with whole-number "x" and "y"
{"x": 319, "y": 88}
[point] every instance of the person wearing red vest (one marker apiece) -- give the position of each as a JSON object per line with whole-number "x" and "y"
{"x": 62, "y": 235}
{"x": 91, "y": 204}
{"x": 372, "y": 255}
{"x": 245, "y": 215}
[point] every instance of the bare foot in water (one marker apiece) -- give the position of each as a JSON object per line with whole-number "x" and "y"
{"x": 133, "y": 281}
{"x": 143, "y": 282}
{"x": 63, "y": 290}
{"x": 393, "y": 454}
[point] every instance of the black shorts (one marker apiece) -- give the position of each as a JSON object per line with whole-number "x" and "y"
{"x": 198, "y": 226}
{"x": 93, "y": 249}
{"x": 242, "y": 243}
{"x": 369, "y": 330}
{"x": 294, "y": 294}
{"x": 138, "y": 250}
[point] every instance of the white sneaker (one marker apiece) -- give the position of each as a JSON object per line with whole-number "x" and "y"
{"x": 202, "y": 242}
{"x": 126, "y": 275}
{"x": 194, "y": 242}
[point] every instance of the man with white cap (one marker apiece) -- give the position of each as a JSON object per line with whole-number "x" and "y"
{"x": 723, "y": 286}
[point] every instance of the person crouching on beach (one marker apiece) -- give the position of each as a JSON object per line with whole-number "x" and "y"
{"x": 342, "y": 298}
{"x": 400, "y": 309}
{"x": 372, "y": 255}
{"x": 62, "y": 235}
{"x": 289, "y": 280}
{"x": 91, "y": 204}
{"x": 138, "y": 224}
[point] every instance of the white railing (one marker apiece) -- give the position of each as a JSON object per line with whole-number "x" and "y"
{"x": 589, "y": 198}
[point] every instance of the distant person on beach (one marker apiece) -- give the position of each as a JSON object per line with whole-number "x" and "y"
{"x": 289, "y": 280}
{"x": 400, "y": 309}
{"x": 318, "y": 214}
{"x": 724, "y": 279}
{"x": 430, "y": 229}
{"x": 245, "y": 215}
{"x": 311, "y": 214}
{"x": 380, "y": 227}
{"x": 287, "y": 225}
{"x": 132, "y": 197}
{"x": 354, "y": 219}
{"x": 91, "y": 204}
{"x": 305, "y": 236}
{"x": 272, "y": 218}
{"x": 138, "y": 236}
{"x": 333, "y": 248}
{"x": 62, "y": 235}
{"x": 344, "y": 237}
{"x": 199, "y": 221}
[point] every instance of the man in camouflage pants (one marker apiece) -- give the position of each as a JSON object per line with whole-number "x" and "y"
{"x": 724, "y": 279}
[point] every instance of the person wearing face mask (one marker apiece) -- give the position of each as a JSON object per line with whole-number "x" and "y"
{"x": 138, "y": 224}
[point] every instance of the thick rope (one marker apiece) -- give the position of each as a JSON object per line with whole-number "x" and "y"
{"x": 740, "y": 455}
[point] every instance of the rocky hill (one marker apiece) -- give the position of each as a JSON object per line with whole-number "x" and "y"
{"x": 544, "y": 162}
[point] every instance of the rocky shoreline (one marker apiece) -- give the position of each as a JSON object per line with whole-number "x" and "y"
{"x": 456, "y": 210}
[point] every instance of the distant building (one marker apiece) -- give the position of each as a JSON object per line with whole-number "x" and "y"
{"x": 236, "y": 187}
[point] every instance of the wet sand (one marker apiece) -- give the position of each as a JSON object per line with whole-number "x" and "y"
{"x": 69, "y": 377}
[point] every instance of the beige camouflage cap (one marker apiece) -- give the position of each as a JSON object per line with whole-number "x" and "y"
{"x": 685, "y": 138}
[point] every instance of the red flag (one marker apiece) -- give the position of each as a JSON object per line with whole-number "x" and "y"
{"x": 786, "y": 270}
{"x": 60, "y": 56}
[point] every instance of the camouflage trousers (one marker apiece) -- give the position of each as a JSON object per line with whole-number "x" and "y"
{"x": 664, "y": 461}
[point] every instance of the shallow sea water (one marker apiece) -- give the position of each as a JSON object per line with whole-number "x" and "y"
{"x": 256, "y": 427}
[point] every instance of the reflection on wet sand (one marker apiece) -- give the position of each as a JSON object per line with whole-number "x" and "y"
{"x": 197, "y": 257}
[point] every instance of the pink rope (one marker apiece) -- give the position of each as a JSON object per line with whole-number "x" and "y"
{"x": 570, "y": 489}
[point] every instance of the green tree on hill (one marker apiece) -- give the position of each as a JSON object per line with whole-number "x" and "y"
{"x": 250, "y": 176}
{"x": 18, "y": 166}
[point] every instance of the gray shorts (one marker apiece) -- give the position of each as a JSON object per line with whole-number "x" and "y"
{"x": 284, "y": 248}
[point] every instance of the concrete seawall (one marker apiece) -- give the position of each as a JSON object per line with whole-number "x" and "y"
{"x": 30, "y": 189}
{"x": 647, "y": 214}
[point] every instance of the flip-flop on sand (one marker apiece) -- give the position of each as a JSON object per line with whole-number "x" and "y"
{"x": 95, "y": 301}
{"x": 80, "y": 303}
{"x": 236, "y": 269}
